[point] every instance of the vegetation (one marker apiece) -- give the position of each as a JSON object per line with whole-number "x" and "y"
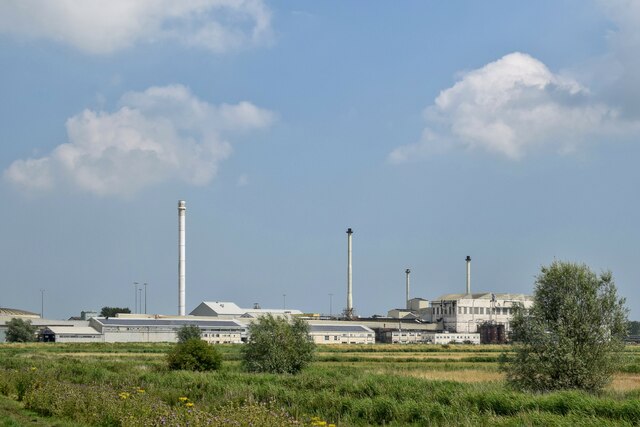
{"x": 277, "y": 346}
{"x": 188, "y": 332}
{"x": 20, "y": 330}
{"x": 634, "y": 327}
{"x": 194, "y": 355}
{"x": 396, "y": 385}
{"x": 112, "y": 311}
{"x": 572, "y": 337}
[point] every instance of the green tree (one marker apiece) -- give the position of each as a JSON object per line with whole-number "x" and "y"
{"x": 20, "y": 330}
{"x": 188, "y": 332}
{"x": 572, "y": 337}
{"x": 277, "y": 346}
{"x": 634, "y": 327}
{"x": 112, "y": 311}
{"x": 194, "y": 355}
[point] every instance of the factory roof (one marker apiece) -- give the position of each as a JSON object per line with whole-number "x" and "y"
{"x": 77, "y": 330}
{"x": 218, "y": 308}
{"x": 338, "y": 328}
{"x": 117, "y": 321}
{"x": 485, "y": 295}
{"x": 4, "y": 311}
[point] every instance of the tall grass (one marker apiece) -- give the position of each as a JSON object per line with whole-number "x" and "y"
{"x": 340, "y": 387}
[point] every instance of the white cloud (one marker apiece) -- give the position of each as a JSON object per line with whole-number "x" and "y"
{"x": 102, "y": 27}
{"x": 509, "y": 107}
{"x": 161, "y": 134}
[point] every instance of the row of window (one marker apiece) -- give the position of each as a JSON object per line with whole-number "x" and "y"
{"x": 473, "y": 310}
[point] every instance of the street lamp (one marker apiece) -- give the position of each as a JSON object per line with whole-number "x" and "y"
{"x": 42, "y": 303}
{"x": 135, "y": 295}
{"x": 330, "y": 305}
{"x": 145, "y": 298}
{"x": 140, "y": 299}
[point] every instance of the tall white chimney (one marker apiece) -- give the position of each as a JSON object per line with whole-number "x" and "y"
{"x": 468, "y": 274}
{"x": 349, "y": 312}
{"x": 182, "y": 211}
{"x": 408, "y": 273}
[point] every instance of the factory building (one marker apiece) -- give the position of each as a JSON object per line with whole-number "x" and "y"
{"x": 425, "y": 337}
{"x": 230, "y": 310}
{"x": 465, "y": 312}
{"x": 164, "y": 329}
{"x": 343, "y": 333}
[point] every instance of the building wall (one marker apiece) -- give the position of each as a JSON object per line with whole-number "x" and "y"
{"x": 464, "y": 315}
{"x": 78, "y": 338}
{"x": 343, "y": 338}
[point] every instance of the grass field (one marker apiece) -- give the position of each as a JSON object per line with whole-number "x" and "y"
{"x": 129, "y": 385}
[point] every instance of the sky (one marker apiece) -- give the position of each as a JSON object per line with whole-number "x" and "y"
{"x": 506, "y": 131}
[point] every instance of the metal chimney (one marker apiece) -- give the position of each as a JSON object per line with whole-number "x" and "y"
{"x": 182, "y": 210}
{"x": 468, "y": 274}
{"x": 408, "y": 272}
{"x": 349, "y": 311}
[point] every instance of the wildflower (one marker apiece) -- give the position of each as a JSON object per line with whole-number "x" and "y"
{"x": 189, "y": 404}
{"x": 183, "y": 399}
{"x": 124, "y": 395}
{"x": 33, "y": 368}
{"x": 140, "y": 390}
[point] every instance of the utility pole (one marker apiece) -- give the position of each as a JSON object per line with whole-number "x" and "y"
{"x": 145, "y": 298}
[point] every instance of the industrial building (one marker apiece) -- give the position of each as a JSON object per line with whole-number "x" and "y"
{"x": 230, "y": 310}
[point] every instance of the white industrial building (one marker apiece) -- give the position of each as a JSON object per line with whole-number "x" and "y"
{"x": 465, "y": 312}
{"x": 341, "y": 333}
{"x": 425, "y": 337}
{"x": 230, "y": 310}
{"x": 164, "y": 329}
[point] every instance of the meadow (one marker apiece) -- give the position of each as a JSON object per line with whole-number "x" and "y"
{"x": 129, "y": 385}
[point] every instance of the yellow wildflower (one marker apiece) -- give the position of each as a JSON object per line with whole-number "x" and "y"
{"x": 140, "y": 390}
{"x": 183, "y": 399}
{"x": 189, "y": 404}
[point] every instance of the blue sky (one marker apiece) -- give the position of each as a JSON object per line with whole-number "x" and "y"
{"x": 502, "y": 130}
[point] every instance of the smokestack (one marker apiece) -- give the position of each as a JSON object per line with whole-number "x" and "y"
{"x": 468, "y": 274}
{"x": 408, "y": 272}
{"x": 182, "y": 210}
{"x": 349, "y": 312}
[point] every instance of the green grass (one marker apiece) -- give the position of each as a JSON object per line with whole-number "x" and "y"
{"x": 350, "y": 385}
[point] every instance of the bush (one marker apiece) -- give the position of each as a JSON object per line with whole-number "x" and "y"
{"x": 19, "y": 330}
{"x": 277, "y": 346}
{"x": 194, "y": 355}
{"x": 188, "y": 332}
{"x": 572, "y": 337}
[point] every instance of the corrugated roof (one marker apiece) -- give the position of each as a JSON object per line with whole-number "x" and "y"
{"x": 339, "y": 328}
{"x": 115, "y": 321}
{"x": 70, "y": 330}
{"x": 484, "y": 295}
{"x": 4, "y": 311}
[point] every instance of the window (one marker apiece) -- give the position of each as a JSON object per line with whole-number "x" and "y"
{"x": 481, "y": 310}
{"x": 326, "y": 337}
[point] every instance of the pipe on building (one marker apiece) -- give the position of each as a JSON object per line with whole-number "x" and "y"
{"x": 182, "y": 210}
{"x": 349, "y": 313}
{"x": 468, "y": 274}
{"x": 408, "y": 273}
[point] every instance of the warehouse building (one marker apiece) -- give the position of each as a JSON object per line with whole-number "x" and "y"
{"x": 341, "y": 333}
{"x": 230, "y": 310}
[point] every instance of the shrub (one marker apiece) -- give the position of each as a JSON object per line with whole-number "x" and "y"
{"x": 572, "y": 337}
{"x": 277, "y": 346}
{"x": 194, "y": 355}
{"x": 188, "y": 332}
{"x": 19, "y": 330}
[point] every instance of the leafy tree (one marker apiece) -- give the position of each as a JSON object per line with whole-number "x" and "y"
{"x": 572, "y": 337}
{"x": 20, "y": 330}
{"x": 634, "y": 327}
{"x": 112, "y": 311}
{"x": 188, "y": 332}
{"x": 194, "y": 355}
{"x": 277, "y": 346}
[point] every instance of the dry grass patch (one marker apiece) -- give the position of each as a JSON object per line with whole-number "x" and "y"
{"x": 464, "y": 376}
{"x": 625, "y": 382}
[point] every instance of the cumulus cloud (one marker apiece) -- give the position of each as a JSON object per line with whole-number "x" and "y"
{"x": 161, "y": 134}
{"x": 510, "y": 107}
{"x": 102, "y": 27}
